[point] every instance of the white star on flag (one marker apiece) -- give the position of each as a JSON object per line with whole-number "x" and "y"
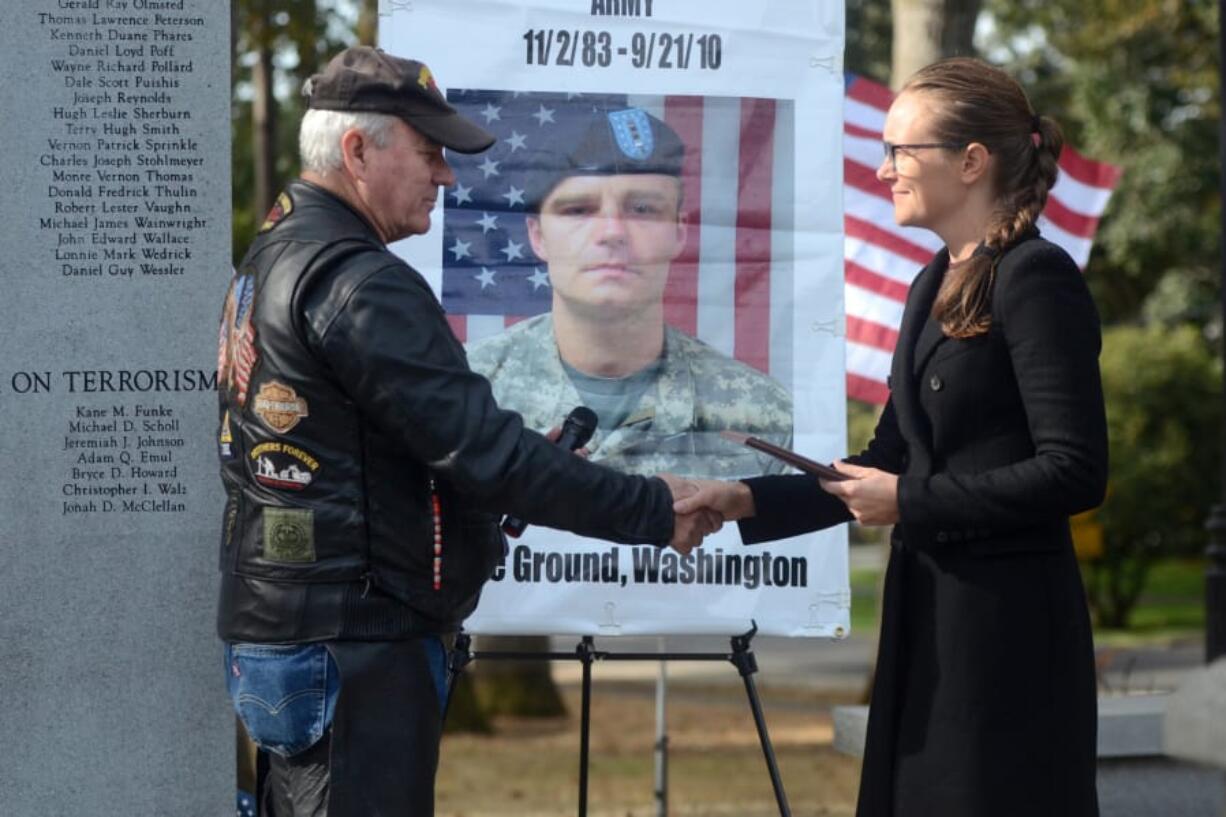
{"x": 538, "y": 278}
{"x": 487, "y": 223}
{"x": 512, "y": 250}
{"x": 491, "y": 112}
{"x": 513, "y": 196}
{"x": 462, "y": 194}
{"x": 489, "y": 167}
{"x": 543, "y": 115}
{"x": 516, "y": 140}
{"x": 486, "y": 277}
{"x": 460, "y": 248}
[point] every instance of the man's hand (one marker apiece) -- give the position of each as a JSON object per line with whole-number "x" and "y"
{"x": 554, "y": 433}
{"x": 872, "y": 497}
{"x": 731, "y": 500}
{"x": 690, "y": 528}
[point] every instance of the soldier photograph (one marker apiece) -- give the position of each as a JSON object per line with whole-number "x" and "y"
{"x": 607, "y": 217}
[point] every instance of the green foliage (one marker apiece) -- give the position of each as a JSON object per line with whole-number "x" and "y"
{"x": 869, "y": 29}
{"x": 300, "y": 35}
{"x": 1135, "y": 83}
{"x": 1163, "y": 394}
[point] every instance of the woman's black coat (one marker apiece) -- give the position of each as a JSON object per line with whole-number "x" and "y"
{"x": 984, "y": 698}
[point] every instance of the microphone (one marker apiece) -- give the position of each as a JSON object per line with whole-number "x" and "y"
{"x": 577, "y": 429}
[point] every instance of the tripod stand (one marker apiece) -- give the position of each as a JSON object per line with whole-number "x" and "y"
{"x": 740, "y": 656}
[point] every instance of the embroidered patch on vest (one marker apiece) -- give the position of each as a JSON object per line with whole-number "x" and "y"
{"x": 225, "y": 438}
{"x": 281, "y": 208}
{"x": 279, "y": 406}
{"x": 283, "y": 466}
{"x": 236, "y": 352}
{"x": 289, "y": 535}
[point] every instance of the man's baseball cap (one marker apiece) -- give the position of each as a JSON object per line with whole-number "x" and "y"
{"x": 362, "y": 79}
{"x": 614, "y": 143}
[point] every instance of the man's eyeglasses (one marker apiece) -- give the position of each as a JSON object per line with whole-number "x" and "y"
{"x": 891, "y": 150}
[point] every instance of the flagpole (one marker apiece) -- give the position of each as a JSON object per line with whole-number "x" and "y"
{"x": 1215, "y": 569}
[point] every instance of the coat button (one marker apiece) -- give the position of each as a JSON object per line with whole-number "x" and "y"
{"x": 936, "y": 383}
{"x": 942, "y": 537}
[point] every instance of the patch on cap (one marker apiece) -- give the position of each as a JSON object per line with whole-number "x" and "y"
{"x": 632, "y": 131}
{"x": 425, "y": 78}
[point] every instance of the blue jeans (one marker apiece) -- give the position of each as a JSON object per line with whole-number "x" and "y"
{"x": 285, "y": 694}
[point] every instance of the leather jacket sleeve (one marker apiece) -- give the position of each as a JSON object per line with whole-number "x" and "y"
{"x": 378, "y": 327}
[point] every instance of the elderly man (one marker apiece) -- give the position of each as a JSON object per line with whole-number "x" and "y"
{"x": 607, "y": 220}
{"x": 365, "y": 464}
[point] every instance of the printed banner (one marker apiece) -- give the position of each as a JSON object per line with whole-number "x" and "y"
{"x": 656, "y": 234}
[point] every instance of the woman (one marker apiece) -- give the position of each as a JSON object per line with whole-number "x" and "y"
{"x": 994, "y": 434}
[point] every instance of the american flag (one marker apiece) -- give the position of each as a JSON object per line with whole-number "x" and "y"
{"x": 737, "y": 188}
{"x": 880, "y": 259}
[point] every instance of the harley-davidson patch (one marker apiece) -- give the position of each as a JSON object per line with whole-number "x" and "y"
{"x": 279, "y": 406}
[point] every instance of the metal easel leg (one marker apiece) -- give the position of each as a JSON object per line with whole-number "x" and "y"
{"x": 587, "y": 654}
{"x": 743, "y": 659}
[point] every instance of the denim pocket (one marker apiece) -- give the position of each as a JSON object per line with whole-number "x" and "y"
{"x": 284, "y": 694}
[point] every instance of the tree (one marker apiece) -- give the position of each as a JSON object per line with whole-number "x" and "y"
{"x": 277, "y": 44}
{"x": 928, "y": 30}
{"x": 1136, "y": 84}
{"x": 1163, "y": 392}
{"x": 869, "y": 32}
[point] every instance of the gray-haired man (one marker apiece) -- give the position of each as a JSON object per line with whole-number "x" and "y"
{"x": 365, "y": 464}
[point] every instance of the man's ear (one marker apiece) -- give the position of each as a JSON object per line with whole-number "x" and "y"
{"x": 975, "y": 162}
{"x": 683, "y": 230}
{"x": 533, "y": 223}
{"x": 354, "y": 148}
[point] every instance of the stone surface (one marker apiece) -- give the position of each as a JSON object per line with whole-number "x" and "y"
{"x": 1195, "y": 727}
{"x": 116, "y": 234}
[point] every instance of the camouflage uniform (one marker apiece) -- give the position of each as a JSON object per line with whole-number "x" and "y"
{"x": 675, "y": 426}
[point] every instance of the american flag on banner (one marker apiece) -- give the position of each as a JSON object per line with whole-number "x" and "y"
{"x": 880, "y": 258}
{"x": 731, "y": 285}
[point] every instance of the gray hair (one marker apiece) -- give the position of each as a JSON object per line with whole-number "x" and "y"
{"x": 319, "y": 136}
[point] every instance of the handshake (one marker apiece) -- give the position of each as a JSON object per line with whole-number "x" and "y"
{"x": 702, "y": 506}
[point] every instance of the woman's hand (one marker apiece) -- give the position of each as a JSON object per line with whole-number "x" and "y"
{"x": 731, "y": 500}
{"x": 872, "y": 496}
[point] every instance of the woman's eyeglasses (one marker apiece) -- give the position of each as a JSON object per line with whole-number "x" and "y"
{"x": 891, "y": 150}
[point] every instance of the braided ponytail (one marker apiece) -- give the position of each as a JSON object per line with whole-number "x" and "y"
{"x": 975, "y": 102}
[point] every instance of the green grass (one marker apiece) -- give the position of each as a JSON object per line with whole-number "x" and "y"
{"x": 1171, "y": 607}
{"x": 865, "y": 585}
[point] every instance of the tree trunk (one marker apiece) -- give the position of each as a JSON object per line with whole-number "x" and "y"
{"x": 263, "y": 116}
{"x": 464, "y": 712}
{"x": 368, "y": 22}
{"x": 522, "y": 688}
{"x": 927, "y": 30}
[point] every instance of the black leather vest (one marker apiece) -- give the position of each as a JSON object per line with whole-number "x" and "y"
{"x": 329, "y": 524}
